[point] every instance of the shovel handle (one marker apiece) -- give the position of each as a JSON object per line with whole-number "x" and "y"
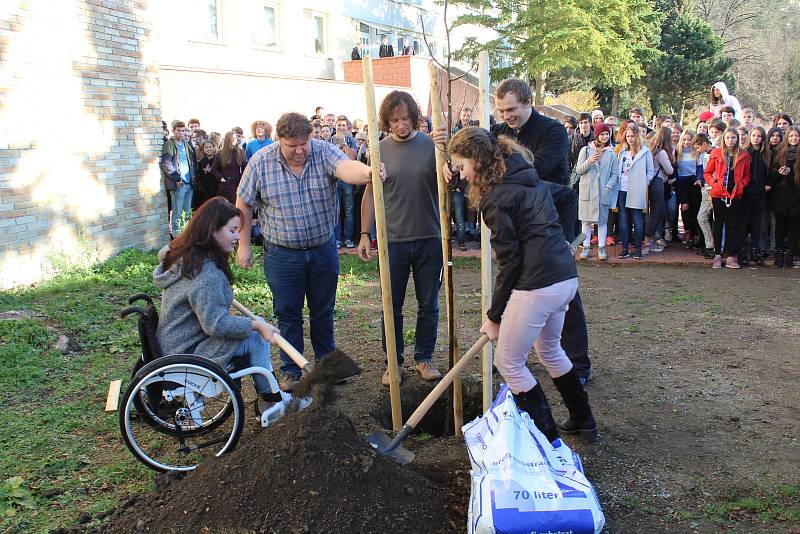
{"x": 445, "y": 382}
{"x": 279, "y": 340}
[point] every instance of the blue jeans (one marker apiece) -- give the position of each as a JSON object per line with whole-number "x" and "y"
{"x": 671, "y": 210}
{"x": 626, "y": 215}
{"x": 181, "y": 207}
{"x": 256, "y": 350}
{"x": 459, "y": 213}
{"x": 295, "y": 276}
{"x": 344, "y": 192}
{"x": 655, "y": 219}
{"x": 423, "y": 258}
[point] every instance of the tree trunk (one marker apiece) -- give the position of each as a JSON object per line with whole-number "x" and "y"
{"x": 538, "y": 99}
{"x": 615, "y": 101}
{"x": 683, "y": 110}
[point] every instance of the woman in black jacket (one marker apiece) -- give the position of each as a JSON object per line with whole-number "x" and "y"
{"x": 754, "y": 203}
{"x": 537, "y": 279}
{"x": 784, "y": 181}
{"x": 207, "y": 183}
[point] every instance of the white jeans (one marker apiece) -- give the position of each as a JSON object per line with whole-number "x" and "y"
{"x": 704, "y": 216}
{"x": 602, "y": 233}
{"x": 533, "y": 318}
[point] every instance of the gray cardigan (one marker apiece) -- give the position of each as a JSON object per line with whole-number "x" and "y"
{"x": 194, "y": 316}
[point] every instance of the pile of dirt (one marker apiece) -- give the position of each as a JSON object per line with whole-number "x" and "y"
{"x": 309, "y": 472}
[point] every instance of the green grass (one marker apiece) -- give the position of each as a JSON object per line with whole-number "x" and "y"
{"x": 61, "y": 453}
{"x": 765, "y": 508}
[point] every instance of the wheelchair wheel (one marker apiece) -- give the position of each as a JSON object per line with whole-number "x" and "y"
{"x": 149, "y": 402}
{"x": 179, "y": 410}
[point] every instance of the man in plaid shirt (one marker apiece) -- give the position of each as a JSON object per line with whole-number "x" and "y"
{"x": 293, "y": 184}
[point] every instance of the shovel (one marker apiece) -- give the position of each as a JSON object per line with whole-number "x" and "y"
{"x": 335, "y": 366}
{"x": 393, "y": 447}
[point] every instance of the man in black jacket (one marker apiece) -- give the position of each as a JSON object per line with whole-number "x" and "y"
{"x": 386, "y": 50}
{"x": 547, "y": 139}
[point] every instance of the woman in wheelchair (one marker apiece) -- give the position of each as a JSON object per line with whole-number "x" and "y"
{"x": 195, "y": 277}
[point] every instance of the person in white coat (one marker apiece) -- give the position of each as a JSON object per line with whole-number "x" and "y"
{"x": 721, "y": 98}
{"x": 598, "y": 169}
{"x": 635, "y": 175}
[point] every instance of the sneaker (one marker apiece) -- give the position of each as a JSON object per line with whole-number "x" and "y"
{"x": 624, "y": 255}
{"x": 732, "y": 263}
{"x": 427, "y": 371}
{"x": 708, "y": 253}
{"x": 662, "y": 243}
{"x": 585, "y": 253}
{"x": 601, "y": 253}
{"x": 593, "y": 240}
{"x": 349, "y": 244}
{"x": 385, "y": 379}
{"x": 656, "y": 247}
{"x": 289, "y": 382}
{"x": 462, "y": 246}
{"x": 637, "y": 254}
{"x": 338, "y": 244}
{"x": 611, "y": 242}
{"x": 646, "y": 248}
{"x": 717, "y": 263}
{"x": 668, "y": 234}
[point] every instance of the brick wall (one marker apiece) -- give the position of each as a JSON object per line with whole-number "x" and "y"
{"x": 80, "y": 134}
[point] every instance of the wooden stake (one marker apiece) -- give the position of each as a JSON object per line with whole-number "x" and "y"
{"x": 444, "y": 221}
{"x": 486, "y": 250}
{"x": 383, "y": 247}
{"x": 112, "y": 399}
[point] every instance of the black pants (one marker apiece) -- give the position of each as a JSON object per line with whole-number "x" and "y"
{"x": 786, "y": 228}
{"x": 726, "y": 217}
{"x": 689, "y": 194}
{"x": 575, "y": 337}
{"x": 751, "y": 216}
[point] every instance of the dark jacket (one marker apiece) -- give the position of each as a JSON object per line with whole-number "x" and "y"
{"x": 207, "y": 184}
{"x": 355, "y": 55}
{"x": 231, "y": 173}
{"x": 386, "y": 51}
{"x": 577, "y": 142}
{"x": 784, "y": 198}
{"x": 170, "y": 164}
{"x": 548, "y": 141}
{"x": 526, "y": 235}
{"x": 758, "y": 176}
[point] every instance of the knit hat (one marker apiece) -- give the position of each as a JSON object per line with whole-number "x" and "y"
{"x": 600, "y": 128}
{"x": 706, "y": 115}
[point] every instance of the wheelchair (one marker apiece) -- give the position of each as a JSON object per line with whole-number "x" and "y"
{"x": 182, "y": 408}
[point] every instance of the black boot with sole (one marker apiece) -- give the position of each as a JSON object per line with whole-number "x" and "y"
{"x": 534, "y": 402}
{"x": 581, "y": 421}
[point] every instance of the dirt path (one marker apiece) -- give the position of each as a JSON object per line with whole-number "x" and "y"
{"x": 694, "y": 387}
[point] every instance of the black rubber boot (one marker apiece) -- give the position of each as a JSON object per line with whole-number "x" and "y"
{"x": 581, "y": 421}
{"x": 535, "y": 403}
{"x": 779, "y": 258}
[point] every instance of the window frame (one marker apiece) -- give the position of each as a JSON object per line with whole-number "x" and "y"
{"x": 207, "y": 39}
{"x": 310, "y": 50}
{"x": 260, "y": 5}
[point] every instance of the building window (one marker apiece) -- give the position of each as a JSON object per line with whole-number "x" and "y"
{"x": 265, "y": 29}
{"x": 204, "y": 20}
{"x": 316, "y": 23}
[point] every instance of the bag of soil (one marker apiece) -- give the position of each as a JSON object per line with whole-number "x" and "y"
{"x": 523, "y": 483}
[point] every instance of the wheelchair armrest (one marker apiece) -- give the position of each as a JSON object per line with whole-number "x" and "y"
{"x": 140, "y": 296}
{"x": 131, "y": 309}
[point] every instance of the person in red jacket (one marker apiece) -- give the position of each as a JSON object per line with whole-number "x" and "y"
{"x": 728, "y": 173}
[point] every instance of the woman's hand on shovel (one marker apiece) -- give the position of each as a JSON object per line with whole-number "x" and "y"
{"x": 491, "y": 329}
{"x": 265, "y": 329}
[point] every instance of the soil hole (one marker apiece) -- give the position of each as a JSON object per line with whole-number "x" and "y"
{"x": 436, "y": 421}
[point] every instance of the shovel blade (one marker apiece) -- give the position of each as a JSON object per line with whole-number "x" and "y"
{"x": 383, "y": 445}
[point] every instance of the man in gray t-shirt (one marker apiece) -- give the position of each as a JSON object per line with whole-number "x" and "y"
{"x": 412, "y": 220}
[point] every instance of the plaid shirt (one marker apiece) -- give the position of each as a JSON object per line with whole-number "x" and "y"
{"x": 294, "y": 212}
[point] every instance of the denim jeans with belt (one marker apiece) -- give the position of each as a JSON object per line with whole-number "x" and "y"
{"x": 298, "y": 275}
{"x": 423, "y": 259}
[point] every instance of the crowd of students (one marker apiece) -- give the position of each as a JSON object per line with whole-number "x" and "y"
{"x": 728, "y": 187}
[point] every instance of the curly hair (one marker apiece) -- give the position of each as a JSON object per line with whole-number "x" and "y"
{"x": 391, "y": 103}
{"x": 488, "y": 154}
